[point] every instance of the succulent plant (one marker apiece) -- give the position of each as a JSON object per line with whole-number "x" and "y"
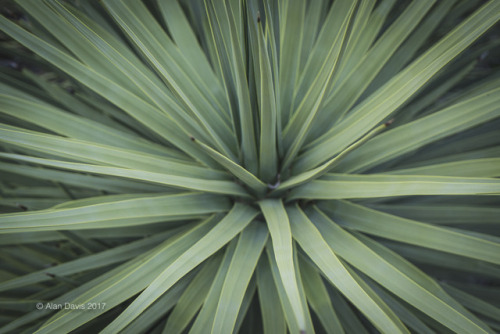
{"x": 219, "y": 166}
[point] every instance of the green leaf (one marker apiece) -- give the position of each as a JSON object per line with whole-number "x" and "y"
{"x": 272, "y": 313}
{"x": 102, "y": 259}
{"x": 400, "y": 88}
{"x": 412, "y": 44}
{"x": 146, "y": 146}
{"x": 246, "y": 309}
{"x": 268, "y": 157}
{"x": 142, "y": 28}
{"x": 206, "y": 316}
{"x": 317, "y": 297}
{"x": 374, "y": 296}
{"x": 313, "y": 20}
{"x": 287, "y": 307}
{"x": 223, "y": 26}
{"x": 73, "y": 179}
{"x": 73, "y": 126}
{"x": 350, "y": 320}
{"x": 105, "y": 233}
{"x": 302, "y": 178}
{"x": 114, "y": 214}
{"x": 250, "y": 244}
{"x": 444, "y": 214}
{"x": 297, "y": 128}
{"x": 237, "y": 170}
{"x": 188, "y": 183}
{"x": 313, "y": 244}
{"x": 473, "y": 303}
{"x": 466, "y": 168}
{"x": 404, "y": 313}
{"x": 157, "y": 311}
{"x": 343, "y": 186}
{"x": 289, "y": 29}
{"x": 395, "y": 257}
{"x": 437, "y": 261}
{"x": 123, "y": 282}
{"x": 373, "y": 265}
{"x": 235, "y": 221}
{"x": 30, "y": 203}
{"x": 193, "y": 297}
{"x": 358, "y": 217}
{"x": 132, "y": 104}
{"x": 416, "y": 134}
{"x": 103, "y": 154}
{"x": 281, "y": 236}
{"x": 365, "y": 28}
{"x": 186, "y": 39}
{"x": 360, "y": 76}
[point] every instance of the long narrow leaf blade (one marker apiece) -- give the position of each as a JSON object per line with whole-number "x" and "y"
{"x": 343, "y": 186}
{"x": 235, "y": 221}
{"x": 250, "y": 245}
{"x": 310, "y": 239}
{"x": 281, "y": 236}
{"x": 358, "y": 217}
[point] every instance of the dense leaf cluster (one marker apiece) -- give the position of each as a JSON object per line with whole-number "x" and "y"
{"x": 249, "y": 166}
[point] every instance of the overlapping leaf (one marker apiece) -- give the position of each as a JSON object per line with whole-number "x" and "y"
{"x": 227, "y": 167}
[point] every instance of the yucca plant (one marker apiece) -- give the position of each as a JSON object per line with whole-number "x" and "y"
{"x": 250, "y": 166}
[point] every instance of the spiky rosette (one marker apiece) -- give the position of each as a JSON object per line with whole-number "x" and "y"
{"x": 249, "y": 166}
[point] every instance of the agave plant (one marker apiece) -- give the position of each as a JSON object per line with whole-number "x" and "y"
{"x": 255, "y": 166}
